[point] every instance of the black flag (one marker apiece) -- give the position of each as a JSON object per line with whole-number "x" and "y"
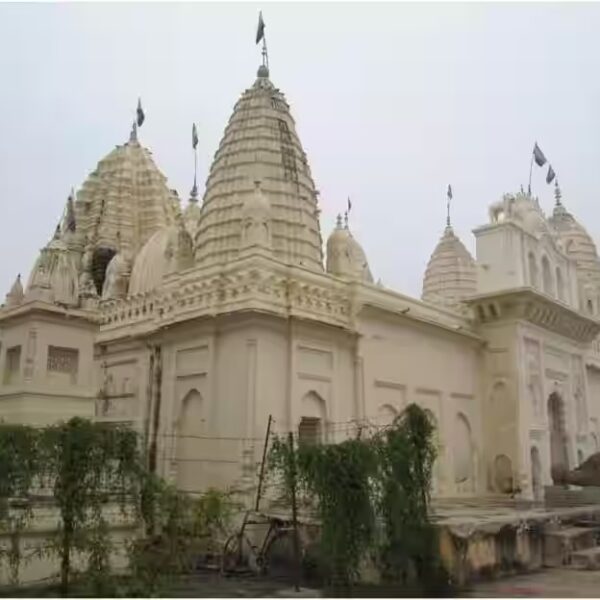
{"x": 194, "y": 136}
{"x": 551, "y": 174}
{"x": 538, "y": 155}
{"x": 140, "y": 113}
{"x": 260, "y": 32}
{"x": 449, "y": 191}
{"x": 349, "y": 204}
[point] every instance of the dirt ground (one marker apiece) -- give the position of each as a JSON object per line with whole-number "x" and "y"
{"x": 548, "y": 583}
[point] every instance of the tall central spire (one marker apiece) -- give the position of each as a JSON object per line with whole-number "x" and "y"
{"x": 260, "y": 143}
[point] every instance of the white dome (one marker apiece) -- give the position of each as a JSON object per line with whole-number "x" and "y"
{"x": 575, "y": 240}
{"x": 345, "y": 256}
{"x": 55, "y": 271}
{"x": 451, "y": 275}
{"x": 168, "y": 249}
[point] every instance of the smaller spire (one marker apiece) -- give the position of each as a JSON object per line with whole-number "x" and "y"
{"x": 557, "y": 193}
{"x": 346, "y": 220}
{"x": 57, "y": 232}
{"x": 338, "y": 223}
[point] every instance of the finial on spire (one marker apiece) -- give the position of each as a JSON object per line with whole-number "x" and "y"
{"x": 194, "y": 192}
{"x": 263, "y": 71}
{"x": 338, "y": 223}
{"x": 133, "y": 134}
{"x": 557, "y": 193}
{"x": 449, "y": 198}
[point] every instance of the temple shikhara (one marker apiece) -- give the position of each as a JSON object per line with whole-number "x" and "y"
{"x": 194, "y": 321}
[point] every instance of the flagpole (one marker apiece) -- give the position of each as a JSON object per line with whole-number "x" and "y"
{"x": 530, "y": 173}
{"x": 264, "y": 51}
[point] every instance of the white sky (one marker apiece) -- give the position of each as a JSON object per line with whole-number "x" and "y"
{"x": 392, "y": 102}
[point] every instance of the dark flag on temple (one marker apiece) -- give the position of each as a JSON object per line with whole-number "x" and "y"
{"x": 450, "y": 191}
{"x": 194, "y": 136}
{"x": 260, "y": 32}
{"x": 349, "y": 204}
{"x": 538, "y": 155}
{"x": 551, "y": 174}
{"x": 140, "y": 113}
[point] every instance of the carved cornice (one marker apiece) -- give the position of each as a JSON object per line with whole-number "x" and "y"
{"x": 538, "y": 309}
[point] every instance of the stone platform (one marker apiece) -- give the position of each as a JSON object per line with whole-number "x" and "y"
{"x": 487, "y": 537}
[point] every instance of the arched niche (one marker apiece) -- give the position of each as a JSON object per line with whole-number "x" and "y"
{"x": 558, "y": 436}
{"x": 503, "y": 474}
{"x": 547, "y": 280}
{"x": 463, "y": 454}
{"x": 311, "y": 429}
{"x": 386, "y": 415}
{"x": 533, "y": 270}
{"x": 536, "y": 474}
{"x": 560, "y": 286}
{"x": 190, "y": 445}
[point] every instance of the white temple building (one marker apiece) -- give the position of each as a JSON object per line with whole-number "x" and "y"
{"x": 194, "y": 323}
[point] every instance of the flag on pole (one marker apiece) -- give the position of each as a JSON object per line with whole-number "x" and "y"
{"x": 260, "y": 32}
{"x": 194, "y": 136}
{"x": 140, "y": 113}
{"x": 449, "y": 192}
{"x": 538, "y": 155}
{"x": 551, "y": 174}
{"x": 349, "y": 204}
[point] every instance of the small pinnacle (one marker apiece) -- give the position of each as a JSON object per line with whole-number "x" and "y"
{"x": 338, "y": 223}
{"x": 346, "y": 220}
{"x": 133, "y": 134}
{"x": 557, "y": 193}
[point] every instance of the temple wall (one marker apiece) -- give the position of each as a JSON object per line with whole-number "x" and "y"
{"x": 404, "y": 361}
{"x": 46, "y": 370}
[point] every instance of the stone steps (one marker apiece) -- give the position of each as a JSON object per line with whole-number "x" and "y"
{"x": 561, "y": 543}
{"x": 588, "y": 559}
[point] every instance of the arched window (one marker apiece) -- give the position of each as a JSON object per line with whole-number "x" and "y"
{"x": 590, "y": 307}
{"x": 547, "y": 277}
{"x": 386, "y": 415}
{"x": 560, "y": 285}
{"x": 533, "y": 271}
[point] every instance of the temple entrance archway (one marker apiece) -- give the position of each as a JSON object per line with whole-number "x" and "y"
{"x": 558, "y": 436}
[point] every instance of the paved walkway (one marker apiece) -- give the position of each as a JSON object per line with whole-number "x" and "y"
{"x": 548, "y": 583}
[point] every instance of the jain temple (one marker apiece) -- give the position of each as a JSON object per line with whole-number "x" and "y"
{"x": 195, "y": 321}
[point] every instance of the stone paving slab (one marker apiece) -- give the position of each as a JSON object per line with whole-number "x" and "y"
{"x": 548, "y": 583}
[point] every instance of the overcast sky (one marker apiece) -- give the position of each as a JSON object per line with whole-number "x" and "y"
{"x": 392, "y": 102}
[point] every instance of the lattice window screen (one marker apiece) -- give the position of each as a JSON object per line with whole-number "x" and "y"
{"x": 63, "y": 360}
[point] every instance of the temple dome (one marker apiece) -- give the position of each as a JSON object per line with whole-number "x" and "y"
{"x": 54, "y": 276}
{"x": 125, "y": 196}
{"x": 576, "y": 241}
{"x": 451, "y": 275}
{"x": 260, "y": 143}
{"x": 168, "y": 250}
{"x": 345, "y": 256}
